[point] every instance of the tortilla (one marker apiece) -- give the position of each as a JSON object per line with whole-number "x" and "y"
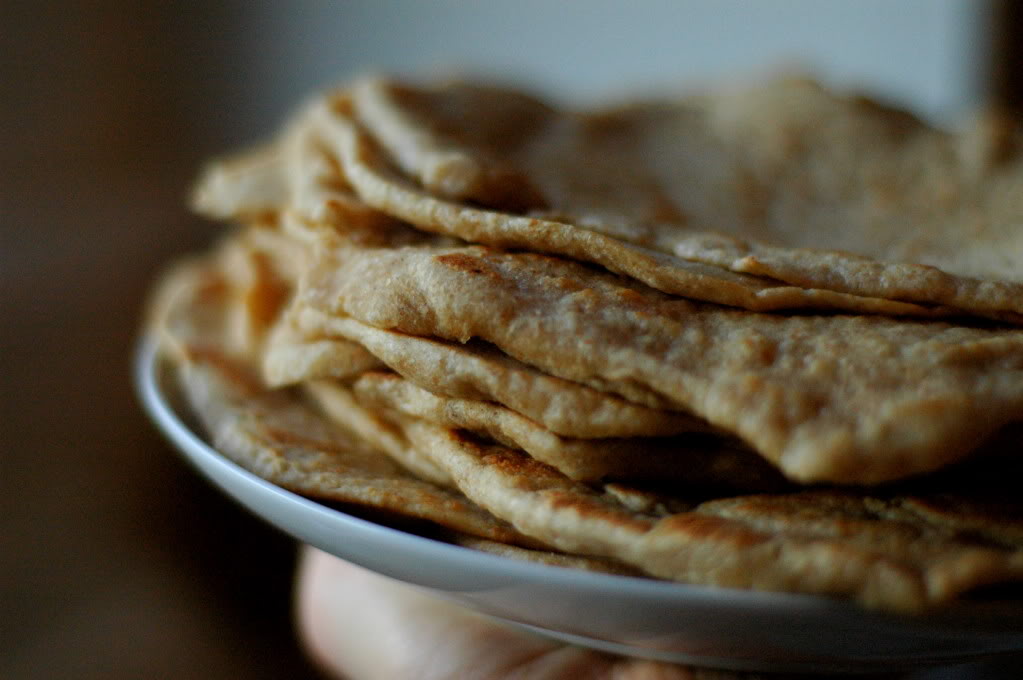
{"x": 767, "y": 198}
{"x": 846, "y": 399}
{"x": 367, "y": 170}
{"x": 260, "y": 265}
{"x": 707, "y": 462}
{"x": 477, "y": 371}
{"x": 317, "y": 190}
{"x": 883, "y": 552}
{"x": 340, "y": 407}
{"x": 274, "y": 434}
{"x": 576, "y": 382}
{"x": 290, "y": 357}
{"x": 250, "y": 186}
{"x": 871, "y": 548}
{"x": 784, "y": 181}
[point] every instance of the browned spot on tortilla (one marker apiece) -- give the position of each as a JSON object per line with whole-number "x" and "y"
{"x": 469, "y": 264}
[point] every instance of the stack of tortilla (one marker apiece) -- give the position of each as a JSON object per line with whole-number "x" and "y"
{"x": 766, "y": 338}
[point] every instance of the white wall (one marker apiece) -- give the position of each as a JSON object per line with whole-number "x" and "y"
{"x": 925, "y": 54}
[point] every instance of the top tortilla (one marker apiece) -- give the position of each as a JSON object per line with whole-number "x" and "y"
{"x": 382, "y": 188}
{"x": 785, "y": 181}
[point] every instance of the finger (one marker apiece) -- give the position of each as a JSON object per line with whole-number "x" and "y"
{"x": 362, "y": 626}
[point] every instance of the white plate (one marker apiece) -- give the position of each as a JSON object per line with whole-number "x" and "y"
{"x": 736, "y": 629}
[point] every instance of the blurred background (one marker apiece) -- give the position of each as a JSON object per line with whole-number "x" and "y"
{"x": 116, "y": 560}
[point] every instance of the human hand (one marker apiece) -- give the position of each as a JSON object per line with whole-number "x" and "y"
{"x": 362, "y": 626}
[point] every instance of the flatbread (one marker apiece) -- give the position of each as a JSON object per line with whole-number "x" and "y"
{"x": 782, "y": 180}
{"x": 693, "y": 460}
{"x": 477, "y": 371}
{"x": 340, "y": 407}
{"x": 317, "y": 189}
{"x": 894, "y": 552}
{"x": 845, "y": 399}
{"x": 640, "y": 247}
{"x": 261, "y": 266}
{"x": 290, "y": 357}
{"x": 368, "y": 171}
{"x": 277, "y": 436}
{"x": 290, "y": 445}
{"x": 773, "y": 197}
{"x": 250, "y": 186}
{"x": 875, "y": 549}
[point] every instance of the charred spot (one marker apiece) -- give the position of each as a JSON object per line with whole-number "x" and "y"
{"x": 567, "y": 284}
{"x": 468, "y": 264}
